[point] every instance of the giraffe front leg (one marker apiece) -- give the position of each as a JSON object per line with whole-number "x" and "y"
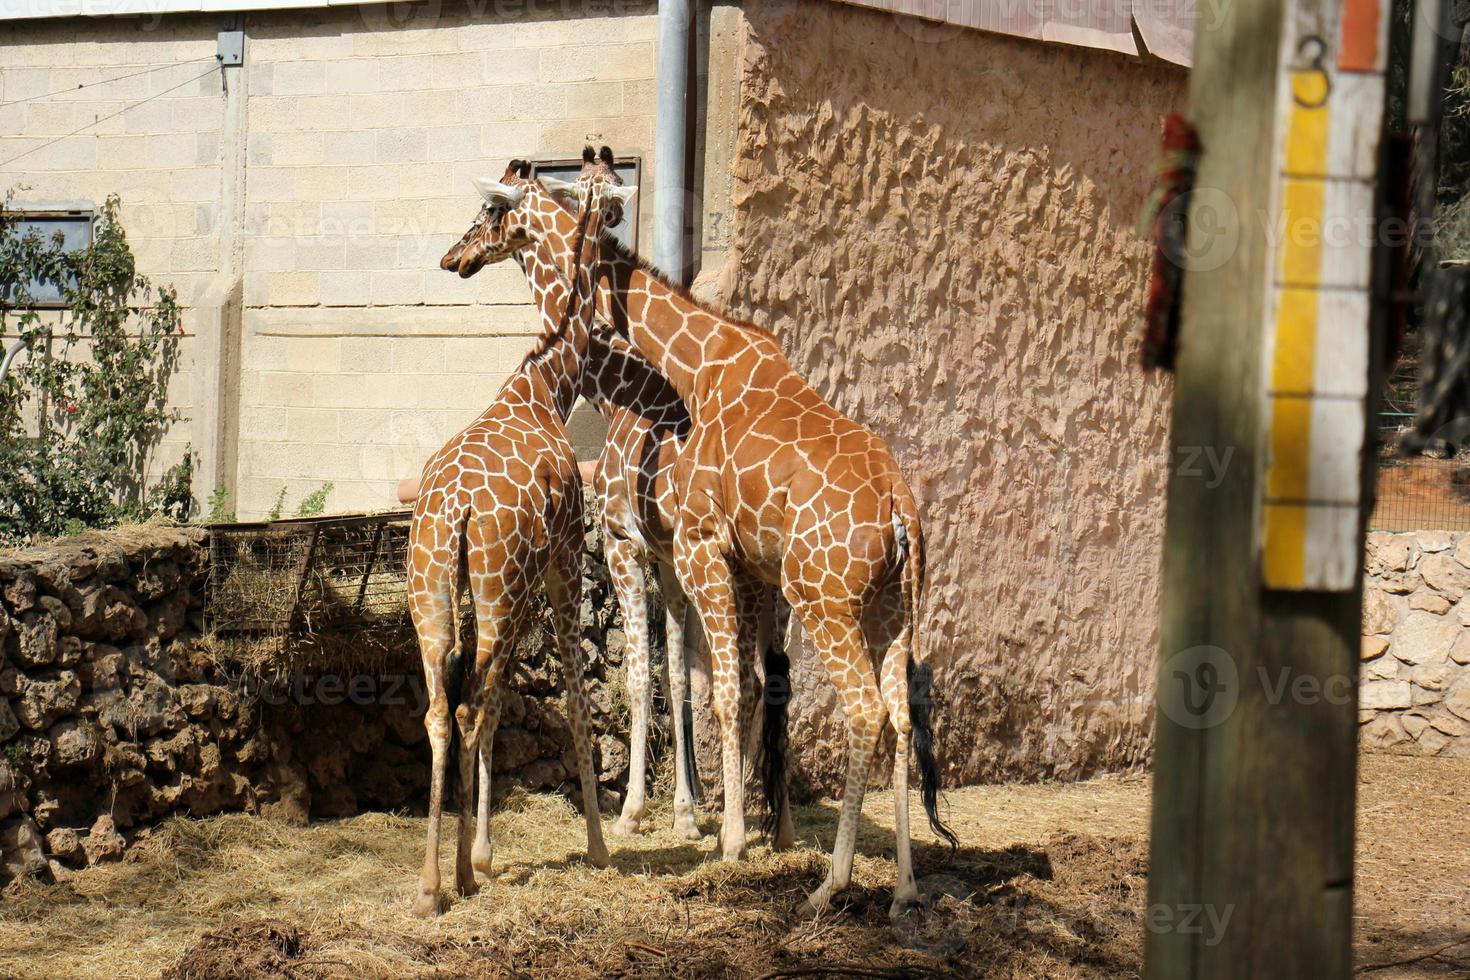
{"x": 628, "y": 582}
{"x": 564, "y": 593}
{"x": 710, "y": 586}
{"x": 675, "y": 606}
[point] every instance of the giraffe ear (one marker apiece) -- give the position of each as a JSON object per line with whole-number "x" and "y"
{"x": 562, "y": 190}
{"x": 620, "y": 195}
{"x": 495, "y": 193}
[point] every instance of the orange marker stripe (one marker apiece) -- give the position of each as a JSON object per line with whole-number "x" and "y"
{"x": 1359, "y": 51}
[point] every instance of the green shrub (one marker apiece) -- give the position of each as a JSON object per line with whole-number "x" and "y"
{"x": 82, "y": 412}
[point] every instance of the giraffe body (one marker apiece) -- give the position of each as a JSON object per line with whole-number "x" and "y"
{"x": 500, "y": 509}
{"x": 647, "y": 424}
{"x": 777, "y": 486}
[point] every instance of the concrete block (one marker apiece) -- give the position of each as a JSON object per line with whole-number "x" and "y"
{"x": 319, "y": 184}
{"x": 408, "y": 73}
{"x": 402, "y": 145}
{"x": 323, "y": 113}
{"x": 510, "y": 66}
{"x": 285, "y": 389}
{"x": 350, "y": 148}
{"x": 455, "y": 71}
{"x": 312, "y": 425}
{"x": 351, "y": 75}
{"x": 206, "y": 149}
{"x": 594, "y": 99}
{"x": 305, "y": 77}
{"x": 364, "y": 426}
{"x": 122, "y": 152}
{"x": 270, "y": 184}
{"x": 298, "y": 149}
{"x": 418, "y": 355}
{"x": 399, "y": 288}
{"x": 454, "y": 143}
{"x": 346, "y": 288}
{"x": 294, "y": 289}
{"x": 195, "y": 184}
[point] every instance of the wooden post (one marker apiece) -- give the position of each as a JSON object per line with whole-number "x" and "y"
{"x": 1255, "y": 755}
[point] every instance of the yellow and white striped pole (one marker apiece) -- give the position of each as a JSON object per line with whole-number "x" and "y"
{"x": 1323, "y": 229}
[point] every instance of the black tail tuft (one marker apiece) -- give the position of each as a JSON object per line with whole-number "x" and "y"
{"x": 454, "y": 679}
{"x": 771, "y": 761}
{"x": 921, "y": 686}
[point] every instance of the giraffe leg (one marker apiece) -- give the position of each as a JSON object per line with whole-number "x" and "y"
{"x": 894, "y": 685}
{"x": 434, "y": 622}
{"x": 838, "y": 638}
{"x": 483, "y": 852}
{"x": 564, "y": 593}
{"x": 705, "y": 569}
{"x": 469, "y": 750}
{"x": 674, "y": 608}
{"x": 628, "y": 581}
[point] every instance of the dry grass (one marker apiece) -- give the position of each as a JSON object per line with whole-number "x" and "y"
{"x": 1050, "y": 883}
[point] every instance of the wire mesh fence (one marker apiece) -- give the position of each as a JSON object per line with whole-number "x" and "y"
{"x": 1420, "y": 493}
{"x": 285, "y": 590}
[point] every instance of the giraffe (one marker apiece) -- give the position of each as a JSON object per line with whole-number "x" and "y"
{"x": 778, "y": 486}
{"x": 500, "y": 507}
{"x": 647, "y": 422}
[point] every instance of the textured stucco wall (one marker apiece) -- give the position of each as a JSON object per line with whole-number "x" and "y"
{"x": 940, "y": 227}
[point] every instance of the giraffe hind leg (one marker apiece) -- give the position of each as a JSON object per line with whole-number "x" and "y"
{"x": 564, "y": 592}
{"x": 628, "y": 580}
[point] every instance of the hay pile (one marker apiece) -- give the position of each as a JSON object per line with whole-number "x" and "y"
{"x": 1050, "y": 883}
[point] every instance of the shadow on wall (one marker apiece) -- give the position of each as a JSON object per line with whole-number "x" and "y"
{"x": 941, "y": 230}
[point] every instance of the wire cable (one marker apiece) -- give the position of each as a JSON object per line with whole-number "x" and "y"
{"x": 103, "y": 81}
{"x": 103, "y": 119}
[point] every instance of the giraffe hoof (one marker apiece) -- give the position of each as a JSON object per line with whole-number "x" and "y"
{"x": 480, "y": 860}
{"x": 626, "y": 827}
{"x": 468, "y": 888}
{"x": 904, "y": 905}
{"x": 429, "y": 904}
{"x": 598, "y": 857}
{"x": 688, "y": 829}
{"x": 784, "y": 842}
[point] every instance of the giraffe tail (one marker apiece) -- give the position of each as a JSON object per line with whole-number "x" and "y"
{"x": 455, "y": 672}
{"x": 920, "y": 673}
{"x": 775, "y": 696}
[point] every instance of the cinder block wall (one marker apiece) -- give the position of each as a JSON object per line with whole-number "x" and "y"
{"x": 361, "y": 130}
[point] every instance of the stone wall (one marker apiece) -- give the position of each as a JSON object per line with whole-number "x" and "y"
{"x": 940, "y": 226}
{"x": 116, "y": 712}
{"x": 1415, "y": 693}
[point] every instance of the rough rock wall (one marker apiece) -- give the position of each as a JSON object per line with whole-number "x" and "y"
{"x": 940, "y": 227}
{"x": 115, "y": 711}
{"x": 1415, "y": 674}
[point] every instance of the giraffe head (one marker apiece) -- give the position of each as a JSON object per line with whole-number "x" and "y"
{"x": 519, "y": 211}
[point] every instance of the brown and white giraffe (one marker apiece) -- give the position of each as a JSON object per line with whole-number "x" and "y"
{"x": 777, "y": 486}
{"x": 500, "y": 508}
{"x": 647, "y": 422}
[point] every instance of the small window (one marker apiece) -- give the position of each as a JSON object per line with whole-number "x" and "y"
{"x": 630, "y": 169}
{"x": 75, "y": 228}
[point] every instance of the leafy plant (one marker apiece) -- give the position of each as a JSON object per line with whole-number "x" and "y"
{"x": 280, "y": 504}
{"x": 82, "y": 413}
{"x": 314, "y": 503}
{"x": 219, "y": 509}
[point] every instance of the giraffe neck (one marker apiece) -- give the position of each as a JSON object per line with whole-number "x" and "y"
{"x": 668, "y": 329}
{"x": 615, "y": 377}
{"x": 552, "y": 372}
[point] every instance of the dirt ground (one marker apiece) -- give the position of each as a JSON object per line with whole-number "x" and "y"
{"x": 1050, "y": 882}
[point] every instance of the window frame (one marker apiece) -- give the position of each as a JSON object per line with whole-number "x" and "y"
{"x": 633, "y": 219}
{"x": 23, "y": 214}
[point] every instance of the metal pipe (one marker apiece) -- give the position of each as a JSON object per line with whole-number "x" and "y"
{"x": 10, "y": 357}
{"x": 670, "y": 144}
